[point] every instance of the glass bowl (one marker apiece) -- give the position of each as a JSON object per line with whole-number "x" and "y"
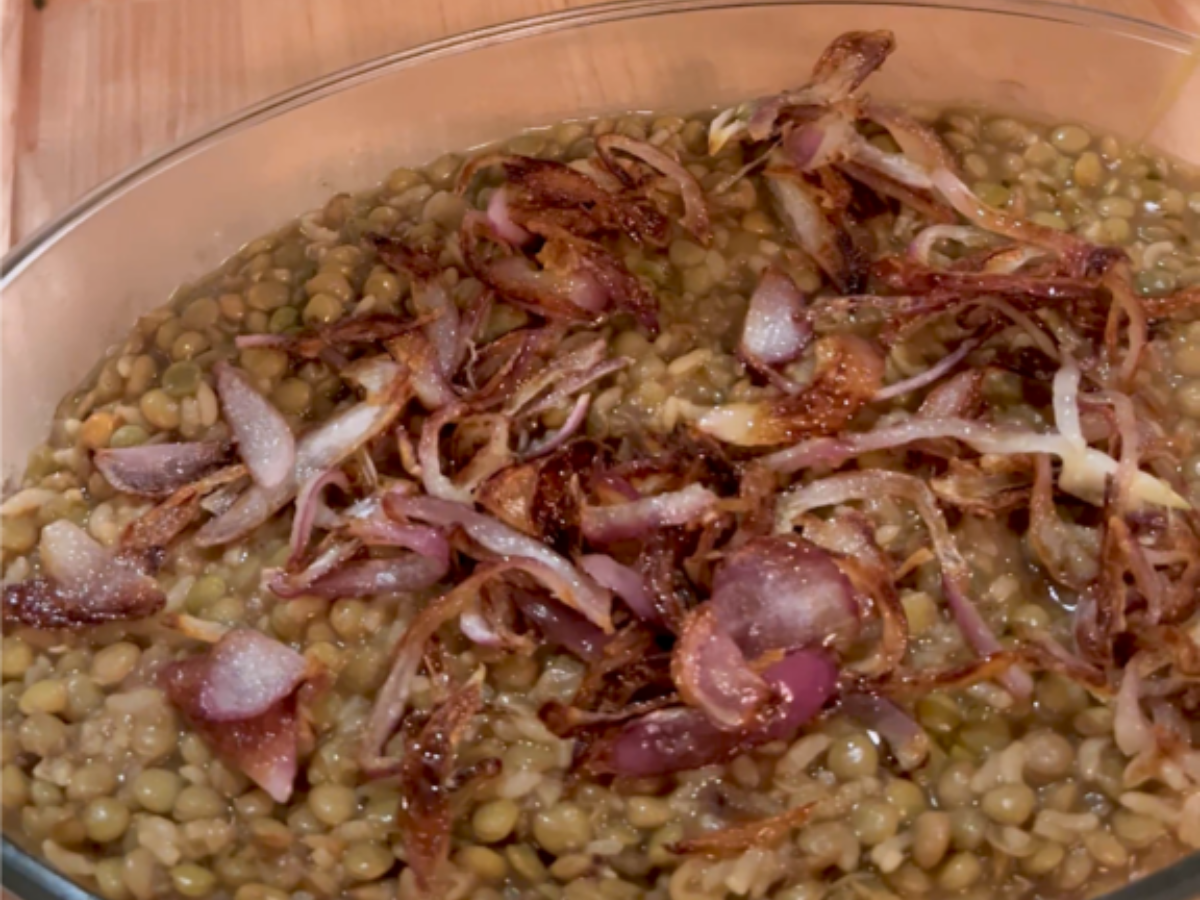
{"x": 72, "y": 289}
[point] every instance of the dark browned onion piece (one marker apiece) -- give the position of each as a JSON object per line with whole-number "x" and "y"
{"x": 695, "y": 211}
{"x": 82, "y": 584}
{"x": 849, "y": 373}
{"x": 156, "y": 470}
{"x": 676, "y": 740}
{"x": 783, "y": 593}
{"x": 264, "y": 438}
{"x": 426, "y": 776}
{"x": 843, "y": 66}
{"x": 806, "y": 213}
{"x": 391, "y": 702}
{"x": 494, "y": 456}
{"x": 157, "y": 528}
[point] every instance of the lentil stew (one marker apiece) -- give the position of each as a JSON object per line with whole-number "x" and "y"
{"x": 795, "y": 503}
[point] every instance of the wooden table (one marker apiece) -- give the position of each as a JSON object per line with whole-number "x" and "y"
{"x": 87, "y": 87}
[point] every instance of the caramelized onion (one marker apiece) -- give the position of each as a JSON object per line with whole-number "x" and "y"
{"x": 712, "y": 675}
{"x": 679, "y": 739}
{"x": 156, "y": 470}
{"x": 575, "y": 589}
{"x": 637, "y": 518}
{"x": 264, "y": 438}
{"x": 777, "y": 327}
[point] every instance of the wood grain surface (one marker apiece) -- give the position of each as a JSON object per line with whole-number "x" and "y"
{"x": 88, "y": 87}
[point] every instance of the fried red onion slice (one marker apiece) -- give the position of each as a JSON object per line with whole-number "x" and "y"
{"x": 444, "y": 330}
{"x": 851, "y": 535}
{"x": 777, "y": 327}
{"x": 637, "y": 518}
{"x": 491, "y": 458}
{"x": 628, "y": 584}
{"x": 157, "y": 528}
{"x": 82, "y": 584}
{"x": 712, "y": 675}
{"x": 990, "y": 486}
{"x": 426, "y": 777}
{"x": 264, "y": 746}
{"x": 368, "y": 524}
{"x": 246, "y": 674}
{"x": 904, "y": 276}
{"x": 849, "y": 373}
{"x": 558, "y": 438}
{"x": 562, "y": 626}
{"x": 391, "y": 702}
{"x": 957, "y": 397}
{"x": 695, "y": 210}
{"x": 1084, "y": 470}
{"x": 781, "y": 592}
{"x": 156, "y": 470}
{"x": 935, "y": 372}
{"x": 330, "y": 341}
{"x": 552, "y": 192}
{"x": 264, "y": 438}
{"x": 1083, "y": 259}
{"x": 499, "y": 216}
{"x": 325, "y": 447}
{"x": 840, "y": 70}
{"x": 308, "y": 501}
{"x": 734, "y": 840}
{"x": 805, "y": 210}
{"x": 418, "y": 355}
{"x": 925, "y": 243}
{"x": 574, "y": 588}
{"x": 368, "y": 578}
{"x": 684, "y": 738}
{"x": 956, "y": 574}
{"x": 905, "y": 738}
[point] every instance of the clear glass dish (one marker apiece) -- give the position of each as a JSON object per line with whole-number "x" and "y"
{"x": 72, "y": 289}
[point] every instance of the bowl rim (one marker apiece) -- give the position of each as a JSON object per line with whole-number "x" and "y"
{"x": 32, "y": 878}
{"x": 44, "y": 236}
